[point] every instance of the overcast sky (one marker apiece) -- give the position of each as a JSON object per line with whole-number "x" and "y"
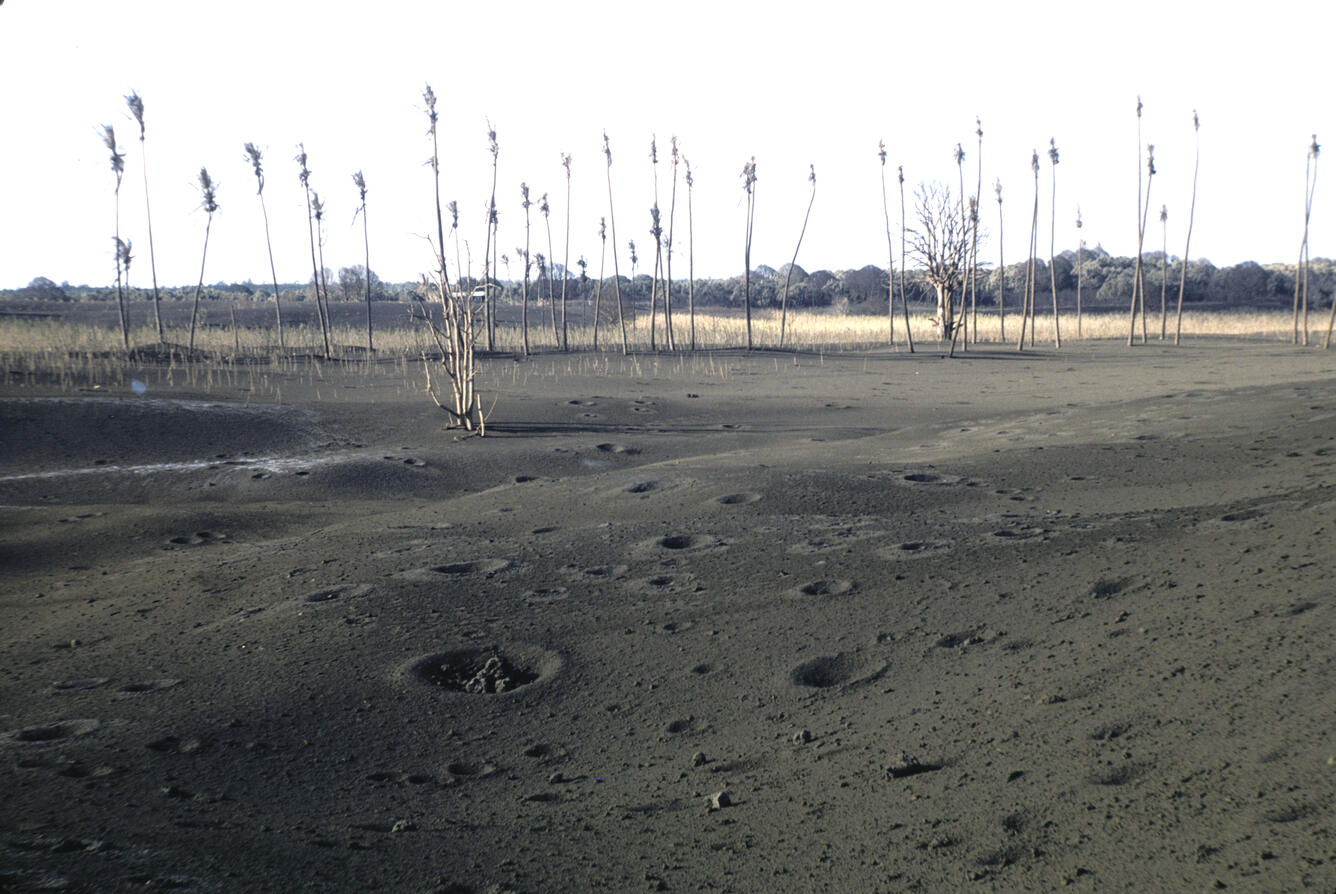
{"x": 790, "y": 84}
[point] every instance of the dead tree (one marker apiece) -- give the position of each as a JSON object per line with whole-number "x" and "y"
{"x": 941, "y": 244}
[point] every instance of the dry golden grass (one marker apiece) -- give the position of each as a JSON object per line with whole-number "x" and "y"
{"x": 27, "y": 343}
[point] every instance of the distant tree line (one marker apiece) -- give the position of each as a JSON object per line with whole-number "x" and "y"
{"x": 1105, "y": 282}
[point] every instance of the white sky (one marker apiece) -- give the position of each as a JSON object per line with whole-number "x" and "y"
{"x": 791, "y": 84}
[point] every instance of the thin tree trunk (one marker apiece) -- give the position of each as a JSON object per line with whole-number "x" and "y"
{"x": 598, "y": 289}
{"x": 524, "y": 295}
{"x": 890, "y": 251}
{"x": 691, "y": 258}
{"x": 120, "y": 292}
{"x": 1080, "y": 245}
{"x": 749, "y": 173}
{"x": 974, "y": 242}
{"x": 1031, "y": 274}
{"x": 1001, "y": 272}
{"x": 366, "y": 244}
{"x": 784, "y": 303}
{"x": 904, "y": 303}
{"x": 1164, "y": 273}
{"x": 566, "y": 257}
{"x": 1138, "y": 276}
{"x": 668, "y": 259}
{"x": 315, "y": 269}
{"x": 194, "y": 314}
{"x": 958, "y": 322}
{"x": 152, "y": 260}
{"x": 551, "y": 263}
{"x": 269, "y": 245}
{"x": 1136, "y": 273}
{"x": 616, "y": 275}
{"x": 656, "y": 232}
{"x": 1052, "y": 239}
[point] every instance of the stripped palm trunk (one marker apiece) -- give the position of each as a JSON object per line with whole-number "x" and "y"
{"x": 256, "y": 160}
{"x": 1052, "y": 239}
{"x": 904, "y": 304}
{"x": 616, "y": 274}
{"x": 1192, "y": 211}
{"x": 748, "y": 184}
{"x": 136, "y": 105}
{"x": 784, "y": 303}
{"x": 566, "y": 258}
{"x": 1001, "y": 269}
{"x": 691, "y": 257}
{"x": 210, "y": 206}
{"x": 118, "y": 168}
{"x": 890, "y": 249}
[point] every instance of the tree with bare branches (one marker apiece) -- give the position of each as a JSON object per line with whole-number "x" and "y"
{"x": 940, "y": 243}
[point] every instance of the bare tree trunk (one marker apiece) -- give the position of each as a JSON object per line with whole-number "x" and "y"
{"x": 278, "y": 307}
{"x": 1052, "y": 239}
{"x": 1001, "y": 270}
{"x": 1192, "y": 214}
{"x": 749, "y": 184}
{"x": 691, "y": 257}
{"x": 668, "y": 253}
{"x": 655, "y": 231}
{"x": 904, "y": 304}
{"x": 551, "y": 259}
{"x": 152, "y": 260}
{"x": 890, "y": 250}
{"x": 194, "y": 314}
{"x": 1031, "y": 274}
{"x": 974, "y": 241}
{"x": 1310, "y": 184}
{"x": 1164, "y": 273}
{"x": 616, "y": 276}
{"x": 784, "y": 303}
{"x": 493, "y": 246}
{"x": 1080, "y": 247}
{"x": 566, "y": 258}
{"x": 964, "y": 275}
{"x": 598, "y": 289}
{"x": 1138, "y": 276}
{"x": 524, "y": 294}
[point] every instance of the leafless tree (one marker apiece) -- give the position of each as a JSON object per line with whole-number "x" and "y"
{"x": 940, "y": 243}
